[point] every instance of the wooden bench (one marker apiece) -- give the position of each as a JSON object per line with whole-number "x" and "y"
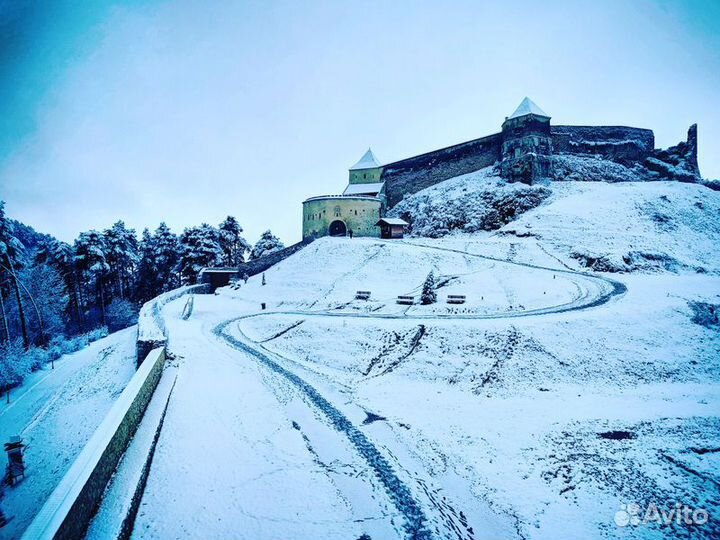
{"x": 362, "y": 295}
{"x": 406, "y": 300}
{"x": 456, "y": 299}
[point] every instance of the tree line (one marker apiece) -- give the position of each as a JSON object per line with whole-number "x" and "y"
{"x": 51, "y": 288}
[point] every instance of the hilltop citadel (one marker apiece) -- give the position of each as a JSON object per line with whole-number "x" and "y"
{"x": 527, "y": 149}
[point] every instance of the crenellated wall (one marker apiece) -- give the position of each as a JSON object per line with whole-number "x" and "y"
{"x": 254, "y": 267}
{"x": 419, "y": 172}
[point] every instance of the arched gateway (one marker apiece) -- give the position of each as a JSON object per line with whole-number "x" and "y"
{"x": 337, "y": 228}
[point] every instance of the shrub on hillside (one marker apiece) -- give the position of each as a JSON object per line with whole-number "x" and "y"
{"x": 12, "y": 369}
{"x": 16, "y": 362}
{"x": 705, "y": 314}
{"x": 469, "y": 203}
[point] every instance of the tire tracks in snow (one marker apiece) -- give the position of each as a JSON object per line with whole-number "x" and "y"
{"x": 415, "y": 525}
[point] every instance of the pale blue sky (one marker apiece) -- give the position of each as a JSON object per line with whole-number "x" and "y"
{"x": 186, "y": 111}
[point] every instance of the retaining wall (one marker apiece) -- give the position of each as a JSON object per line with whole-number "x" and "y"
{"x": 68, "y": 511}
{"x": 257, "y": 266}
{"x": 151, "y": 327}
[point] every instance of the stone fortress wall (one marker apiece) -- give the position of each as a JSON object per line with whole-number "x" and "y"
{"x": 629, "y": 146}
{"x": 528, "y": 149}
{"x": 617, "y": 143}
{"x": 419, "y": 172}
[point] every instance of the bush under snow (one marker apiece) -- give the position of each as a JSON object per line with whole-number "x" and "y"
{"x": 567, "y": 167}
{"x": 479, "y": 201}
{"x": 16, "y": 362}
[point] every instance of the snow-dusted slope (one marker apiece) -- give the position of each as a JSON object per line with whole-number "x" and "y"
{"x": 327, "y": 274}
{"x": 478, "y": 201}
{"x": 628, "y": 226}
{"x": 615, "y": 226}
{"x": 519, "y": 427}
{"x": 56, "y": 411}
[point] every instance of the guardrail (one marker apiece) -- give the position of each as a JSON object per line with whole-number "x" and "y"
{"x": 67, "y": 512}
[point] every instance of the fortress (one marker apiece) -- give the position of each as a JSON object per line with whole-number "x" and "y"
{"x": 526, "y": 149}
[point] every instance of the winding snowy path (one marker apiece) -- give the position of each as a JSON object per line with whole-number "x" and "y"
{"x": 241, "y": 415}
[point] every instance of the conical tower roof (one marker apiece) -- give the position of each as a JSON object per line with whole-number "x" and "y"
{"x": 527, "y": 106}
{"x": 368, "y": 161}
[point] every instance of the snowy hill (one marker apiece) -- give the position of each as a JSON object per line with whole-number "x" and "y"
{"x": 629, "y": 226}
{"x": 536, "y": 409}
{"x": 579, "y": 410}
{"x": 606, "y": 226}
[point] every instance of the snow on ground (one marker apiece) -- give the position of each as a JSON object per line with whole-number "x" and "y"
{"x": 471, "y": 202}
{"x": 238, "y": 453}
{"x": 622, "y": 226}
{"x": 518, "y": 406}
{"x": 634, "y": 225}
{"x": 504, "y": 425}
{"x": 327, "y": 274}
{"x": 56, "y": 412}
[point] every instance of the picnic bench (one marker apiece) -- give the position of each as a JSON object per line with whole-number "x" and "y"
{"x": 362, "y": 295}
{"x": 406, "y": 300}
{"x": 456, "y": 299}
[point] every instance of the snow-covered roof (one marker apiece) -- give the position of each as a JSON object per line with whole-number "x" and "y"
{"x": 392, "y": 221}
{"x": 363, "y": 189}
{"x": 368, "y": 161}
{"x": 528, "y": 106}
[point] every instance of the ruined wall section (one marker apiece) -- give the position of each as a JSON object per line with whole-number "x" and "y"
{"x": 678, "y": 162}
{"x": 626, "y": 145}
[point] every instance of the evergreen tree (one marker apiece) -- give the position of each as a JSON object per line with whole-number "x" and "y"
{"x": 429, "y": 295}
{"x": 198, "y": 248}
{"x": 60, "y": 256}
{"x": 11, "y": 252}
{"x": 232, "y": 243}
{"x": 165, "y": 256}
{"x": 267, "y": 244}
{"x": 91, "y": 261}
{"x": 159, "y": 256}
{"x": 146, "y": 280}
{"x": 122, "y": 257}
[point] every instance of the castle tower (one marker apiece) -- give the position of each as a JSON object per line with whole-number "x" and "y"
{"x": 526, "y": 144}
{"x": 367, "y": 170}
